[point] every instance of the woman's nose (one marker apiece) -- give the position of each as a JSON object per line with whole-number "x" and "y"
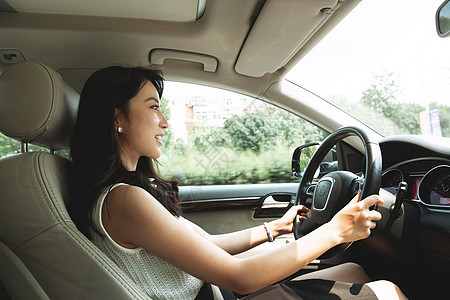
{"x": 163, "y": 123}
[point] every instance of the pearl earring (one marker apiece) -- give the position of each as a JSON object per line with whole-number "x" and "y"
{"x": 119, "y": 129}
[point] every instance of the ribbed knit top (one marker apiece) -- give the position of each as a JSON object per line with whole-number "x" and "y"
{"x": 157, "y": 277}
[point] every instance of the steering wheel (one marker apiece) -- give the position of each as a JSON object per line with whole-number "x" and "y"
{"x": 334, "y": 190}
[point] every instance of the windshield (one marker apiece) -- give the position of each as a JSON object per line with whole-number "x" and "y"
{"x": 386, "y": 65}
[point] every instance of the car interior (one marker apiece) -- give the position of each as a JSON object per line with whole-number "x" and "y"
{"x": 49, "y": 48}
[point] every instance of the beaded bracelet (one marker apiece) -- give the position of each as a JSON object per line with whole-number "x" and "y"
{"x": 269, "y": 234}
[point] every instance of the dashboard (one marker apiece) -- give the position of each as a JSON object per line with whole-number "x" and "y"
{"x": 423, "y": 163}
{"x": 429, "y": 185}
{"x": 416, "y": 241}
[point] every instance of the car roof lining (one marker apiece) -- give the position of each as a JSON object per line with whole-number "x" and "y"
{"x": 221, "y": 33}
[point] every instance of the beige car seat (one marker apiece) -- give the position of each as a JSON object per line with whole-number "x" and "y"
{"x": 42, "y": 254}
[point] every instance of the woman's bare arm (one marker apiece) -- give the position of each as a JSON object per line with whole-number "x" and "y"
{"x": 137, "y": 219}
{"x": 240, "y": 241}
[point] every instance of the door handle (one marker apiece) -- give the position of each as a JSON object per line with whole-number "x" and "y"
{"x": 274, "y": 205}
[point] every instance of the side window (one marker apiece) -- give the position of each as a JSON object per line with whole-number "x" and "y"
{"x": 10, "y": 146}
{"x": 220, "y": 137}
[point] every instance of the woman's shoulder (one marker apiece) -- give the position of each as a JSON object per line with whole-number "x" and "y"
{"x": 126, "y": 191}
{"x": 130, "y": 210}
{"x": 126, "y": 196}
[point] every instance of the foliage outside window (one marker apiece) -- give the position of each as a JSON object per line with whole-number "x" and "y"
{"x": 9, "y": 146}
{"x": 251, "y": 143}
{"x": 380, "y": 108}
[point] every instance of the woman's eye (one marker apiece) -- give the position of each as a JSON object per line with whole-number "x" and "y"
{"x": 155, "y": 107}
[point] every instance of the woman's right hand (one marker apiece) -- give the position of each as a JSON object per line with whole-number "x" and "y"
{"x": 355, "y": 220}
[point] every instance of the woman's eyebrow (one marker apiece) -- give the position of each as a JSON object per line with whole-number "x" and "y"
{"x": 151, "y": 98}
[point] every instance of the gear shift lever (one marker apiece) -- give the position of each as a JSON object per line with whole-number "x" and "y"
{"x": 399, "y": 196}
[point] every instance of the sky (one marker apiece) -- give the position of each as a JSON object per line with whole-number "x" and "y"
{"x": 381, "y": 36}
{"x": 377, "y": 37}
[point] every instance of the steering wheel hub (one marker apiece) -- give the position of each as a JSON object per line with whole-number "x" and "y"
{"x": 331, "y": 194}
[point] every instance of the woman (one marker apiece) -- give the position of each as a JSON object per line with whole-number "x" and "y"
{"x": 134, "y": 216}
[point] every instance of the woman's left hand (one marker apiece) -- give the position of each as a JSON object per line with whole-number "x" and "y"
{"x": 286, "y": 223}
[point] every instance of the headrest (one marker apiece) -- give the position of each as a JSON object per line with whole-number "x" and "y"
{"x": 37, "y": 106}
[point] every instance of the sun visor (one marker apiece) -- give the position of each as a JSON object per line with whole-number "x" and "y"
{"x": 174, "y": 10}
{"x": 280, "y": 31}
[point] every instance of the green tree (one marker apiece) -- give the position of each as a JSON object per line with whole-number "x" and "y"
{"x": 253, "y": 131}
{"x": 263, "y": 129}
{"x": 206, "y": 136}
{"x": 294, "y": 130}
{"x": 382, "y": 94}
{"x": 382, "y": 97}
{"x": 407, "y": 116}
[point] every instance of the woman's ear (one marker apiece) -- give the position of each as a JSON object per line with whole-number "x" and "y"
{"x": 118, "y": 119}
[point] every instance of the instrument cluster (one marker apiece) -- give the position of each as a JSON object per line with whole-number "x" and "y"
{"x": 431, "y": 188}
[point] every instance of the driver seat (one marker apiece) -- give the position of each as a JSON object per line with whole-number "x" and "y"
{"x": 42, "y": 254}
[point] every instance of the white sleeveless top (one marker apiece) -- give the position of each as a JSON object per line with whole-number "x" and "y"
{"x": 158, "y": 278}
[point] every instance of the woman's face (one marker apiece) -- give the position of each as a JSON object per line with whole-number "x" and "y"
{"x": 142, "y": 132}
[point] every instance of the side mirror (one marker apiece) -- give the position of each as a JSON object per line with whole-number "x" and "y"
{"x": 302, "y": 155}
{"x": 443, "y": 19}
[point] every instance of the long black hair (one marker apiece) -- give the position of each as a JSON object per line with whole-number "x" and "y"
{"x": 95, "y": 161}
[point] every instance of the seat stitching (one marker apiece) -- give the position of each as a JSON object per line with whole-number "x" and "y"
{"x": 44, "y": 192}
{"x": 50, "y": 191}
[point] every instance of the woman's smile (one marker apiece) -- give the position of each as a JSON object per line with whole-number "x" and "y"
{"x": 159, "y": 138}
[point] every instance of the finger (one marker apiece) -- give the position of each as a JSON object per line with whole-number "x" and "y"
{"x": 356, "y": 198}
{"x": 304, "y": 215}
{"x": 375, "y": 215}
{"x": 294, "y": 209}
{"x": 300, "y": 208}
{"x": 372, "y": 200}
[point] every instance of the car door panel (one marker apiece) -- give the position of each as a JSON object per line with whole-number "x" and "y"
{"x": 227, "y": 208}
